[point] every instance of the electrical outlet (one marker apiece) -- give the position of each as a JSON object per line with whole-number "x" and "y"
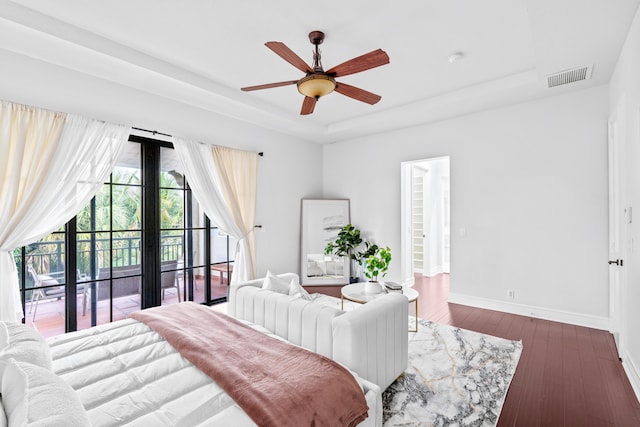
{"x": 510, "y": 294}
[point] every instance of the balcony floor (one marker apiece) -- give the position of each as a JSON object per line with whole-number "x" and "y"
{"x": 49, "y": 319}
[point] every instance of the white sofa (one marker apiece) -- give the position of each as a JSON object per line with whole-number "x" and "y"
{"x": 371, "y": 340}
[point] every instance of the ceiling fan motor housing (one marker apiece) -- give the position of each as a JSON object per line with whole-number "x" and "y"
{"x": 316, "y": 37}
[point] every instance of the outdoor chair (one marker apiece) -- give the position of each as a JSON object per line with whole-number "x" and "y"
{"x": 180, "y": 275}
{"x": 40, "y": 281}
{"x": 168, "y": 278}
{"x": 39, "y": 293}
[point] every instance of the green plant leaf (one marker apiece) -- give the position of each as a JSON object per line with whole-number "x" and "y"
{"x": 377, "y": 263}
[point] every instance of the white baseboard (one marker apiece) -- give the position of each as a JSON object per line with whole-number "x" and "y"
{"x": 438, "y": 269}
{"x": 571, "y": 318}
{"x": 632, "y": 373}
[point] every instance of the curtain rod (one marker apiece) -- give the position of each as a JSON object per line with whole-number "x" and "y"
{"x": 155, "y": 132}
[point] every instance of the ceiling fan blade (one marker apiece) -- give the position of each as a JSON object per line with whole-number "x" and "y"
{"x": 308, "y": 105}
{"x": 361, "y": 63}
{"x": 268, "y": 85}
{"x": 357, "y": 93}
{"x": 288, "y": 55}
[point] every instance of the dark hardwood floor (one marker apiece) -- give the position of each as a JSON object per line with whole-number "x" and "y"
{"x": 567, "y": 375}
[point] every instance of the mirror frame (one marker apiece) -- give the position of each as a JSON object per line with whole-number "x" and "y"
{"x": 321, "y": 220}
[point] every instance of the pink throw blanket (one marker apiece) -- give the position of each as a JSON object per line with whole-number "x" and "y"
{"x": 274, "y": 382}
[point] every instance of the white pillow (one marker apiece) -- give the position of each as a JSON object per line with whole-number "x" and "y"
{"x": 275, "y": 283}
{"x": 25, "y": 344}
{"x": 298, "y": 291}
{"x": 4, "y": 336}
{"x": 3, "y": 416}
{"x": 35, "y": 396}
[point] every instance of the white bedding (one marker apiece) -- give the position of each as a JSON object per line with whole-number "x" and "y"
{"x": 126, "y": 375}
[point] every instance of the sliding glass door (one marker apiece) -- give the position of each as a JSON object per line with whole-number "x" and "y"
{"x": 108, "y": 255}
{"x": 142, "y": 241}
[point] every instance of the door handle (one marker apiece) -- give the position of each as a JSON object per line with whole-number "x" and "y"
{"x": 617, "y": 262}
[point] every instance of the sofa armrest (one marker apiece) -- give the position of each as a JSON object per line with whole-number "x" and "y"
{"x": 232, "y": 290}
{"x": 372, "y": 339}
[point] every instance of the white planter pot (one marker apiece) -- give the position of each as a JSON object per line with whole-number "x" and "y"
{"x": 372, "y": 288}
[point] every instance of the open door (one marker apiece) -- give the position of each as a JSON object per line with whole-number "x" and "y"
{"x": 619, "y": 216}
{"x": 425, "y": 217}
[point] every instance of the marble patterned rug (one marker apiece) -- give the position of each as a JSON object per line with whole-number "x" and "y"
{"x": 455, "y": 378}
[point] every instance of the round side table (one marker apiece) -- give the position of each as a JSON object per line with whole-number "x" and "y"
{"x": 355, "y": 292}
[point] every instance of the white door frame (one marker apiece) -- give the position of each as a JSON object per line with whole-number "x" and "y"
{"x": 406, "y": 250}
{"x": 619, "y": 217}
{"x": 406, "y": 242}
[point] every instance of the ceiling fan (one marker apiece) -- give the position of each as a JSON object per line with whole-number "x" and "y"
{"x": 317, "y": 82}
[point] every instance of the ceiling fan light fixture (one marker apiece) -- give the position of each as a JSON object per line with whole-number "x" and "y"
{"x": 316, "y": 85}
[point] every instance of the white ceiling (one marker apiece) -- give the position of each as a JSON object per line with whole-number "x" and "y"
{"x": 200, "y": 52}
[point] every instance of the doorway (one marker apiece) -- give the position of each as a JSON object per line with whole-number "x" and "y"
{"x": 425, "y": 217}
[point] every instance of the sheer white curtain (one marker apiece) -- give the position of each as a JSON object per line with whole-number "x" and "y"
{"x": 225, "y": 186}
{"x": 51, "y": 165}
{"x": 238, "y": 173}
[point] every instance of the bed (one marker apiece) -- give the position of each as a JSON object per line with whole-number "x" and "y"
{"x": 123, "y": 374}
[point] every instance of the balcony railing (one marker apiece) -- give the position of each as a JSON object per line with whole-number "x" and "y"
{"x": 48, "y": 257}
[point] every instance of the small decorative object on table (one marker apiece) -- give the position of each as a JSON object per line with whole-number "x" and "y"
{"x": 393, "y": 287}
{"x": 376, "y": 265}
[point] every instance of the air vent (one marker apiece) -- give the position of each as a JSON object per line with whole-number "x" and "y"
{"x": 569, "y": 76}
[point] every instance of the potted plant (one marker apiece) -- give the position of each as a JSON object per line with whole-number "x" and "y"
{"x": 376, "y": 265}
{"x": 349, "y": 243}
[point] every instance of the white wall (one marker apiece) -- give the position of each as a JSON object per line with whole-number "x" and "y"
{"x": 289, "y": 170}
{"x": 529, "y": 186}
{"x": 625, "y": 90}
